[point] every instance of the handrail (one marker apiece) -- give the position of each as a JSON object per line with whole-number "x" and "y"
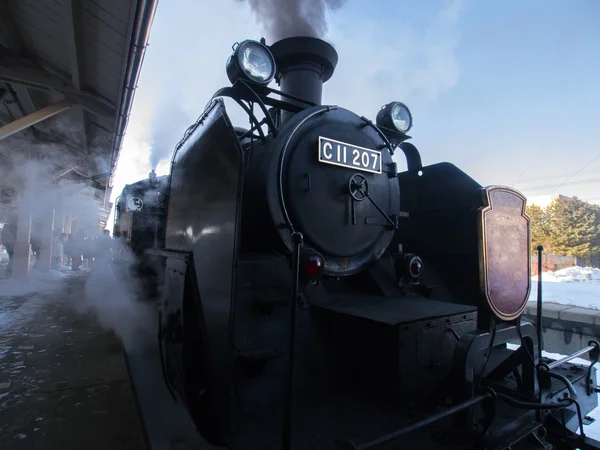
{"x": 349, "y": 445}
{"x": 593, "y": 345}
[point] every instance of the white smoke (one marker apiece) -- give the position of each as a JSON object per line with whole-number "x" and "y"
{"x": 280, "y": 19}
{"x": 36, "y": 178}
{"x": 416, "y": 66}
{"x": 418, "y": 73}
{"x": 112, "y": 294}
{"x": 168, "y": 125}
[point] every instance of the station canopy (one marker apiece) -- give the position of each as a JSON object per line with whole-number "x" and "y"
{"x": 68, "y": 73}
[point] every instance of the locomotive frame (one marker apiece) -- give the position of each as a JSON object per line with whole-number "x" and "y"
{"x": 425, "y": 335}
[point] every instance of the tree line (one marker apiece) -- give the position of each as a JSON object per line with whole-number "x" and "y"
{"x": 568, "y": 226}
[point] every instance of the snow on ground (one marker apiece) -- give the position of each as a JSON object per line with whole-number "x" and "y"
{"x": 576, "y": 286}
{"x": 38, "y": 282}
{"x": 18, "y": 299}
{"x": 556, "y": 356}
{"x": 571, "y": 275}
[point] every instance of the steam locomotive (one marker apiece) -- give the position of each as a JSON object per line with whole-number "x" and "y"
{"x": 318, "y": 298}
{"x": 140, "y": 213}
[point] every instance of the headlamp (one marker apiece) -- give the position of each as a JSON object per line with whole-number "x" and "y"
{"x": 252, "y": 61}
{"x": 396, "y": 116}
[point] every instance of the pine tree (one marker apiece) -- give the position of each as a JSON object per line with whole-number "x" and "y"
{"x": 573, "y": 227}
{"x": 540, "y": 233}
{"x": 596, "y": 210}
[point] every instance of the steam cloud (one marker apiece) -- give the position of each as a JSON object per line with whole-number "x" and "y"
{"x": 286, "y": 18}
{"x": 110, "y": 292}
{"x": 168, "y": 126}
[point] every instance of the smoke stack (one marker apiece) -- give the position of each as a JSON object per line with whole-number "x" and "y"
{"x": 303, "y": 65}
{"x": 152, "y": 176}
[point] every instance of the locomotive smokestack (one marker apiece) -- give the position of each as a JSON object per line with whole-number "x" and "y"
{"x": 303, "y": 65}
{"x": 152, "y": 175}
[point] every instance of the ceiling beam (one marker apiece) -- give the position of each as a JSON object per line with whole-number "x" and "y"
{"x": 37, "y": 139}
{"x": 76, "y": 58}
{"x": 73, "y": 32}
{"x": 10, "y": 102}
{"x": 21, "y": 71}
{"x": 36, "y": 117}
{"x": 13, "y": 103}
{"x": 22, "y": 96}
{"x": 59, "y": 173}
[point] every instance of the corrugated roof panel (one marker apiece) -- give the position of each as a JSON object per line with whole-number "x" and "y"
{"x": 33, "y": 18}
{"x": 96, "y": 30}
{"x": 104, "y": 89}
{"x": 103, "y": 80}
{"x": 118, "y": 24}
{"x": 42, "y": 37}
{"x": 104, "y": 54}
{"x": 108, "y": 71}
{"x": 103, "y": 85}
{"x": 102, "y": 136}
{"x": 118, "y": 8}
{"x": 55, "y": 5}
{"x": 50, "y": 9}
{"x": 106, "y": 27}
{"x": 45, "y": 55}
{"x": 99, "y": 138}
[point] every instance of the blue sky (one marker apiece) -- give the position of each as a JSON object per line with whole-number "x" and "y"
{"x": 526, "y": 101}
{"x": 506, "y": 90}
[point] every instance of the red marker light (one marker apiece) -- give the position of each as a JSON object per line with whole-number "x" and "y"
{"x": 313, "y": 264}
{"x": 416, "y": 266}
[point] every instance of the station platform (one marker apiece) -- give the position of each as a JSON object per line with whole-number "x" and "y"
{"x": 64, "y": 382}
{"x": 68, "y": 382}
{"x": 565, "y": 328}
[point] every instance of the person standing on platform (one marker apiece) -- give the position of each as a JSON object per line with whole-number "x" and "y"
{"x": 104, "y": 246}
{"x": 56, "y": 249}
{"x": 77, "y": 257}
{"x": 64, "y": 259}
{"x": 9, "y": 237}
{"x": 73, "y": 252}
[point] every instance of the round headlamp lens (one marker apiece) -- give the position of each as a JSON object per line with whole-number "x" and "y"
{"x": 401, "y": 117}
{"x": 256, "y": 62}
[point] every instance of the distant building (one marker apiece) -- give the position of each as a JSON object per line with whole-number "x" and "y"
{"x": 544, "y": 200}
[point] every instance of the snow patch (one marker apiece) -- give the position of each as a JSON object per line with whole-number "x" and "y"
{"x": 570, "y": 275}
{"x": 573, "y": 286}
{"x": 38, "y": 282}
{"x": 555, "y": 356}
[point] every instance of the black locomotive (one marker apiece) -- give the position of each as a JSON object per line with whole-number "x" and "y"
{"x": 140, "y": 217}
{"x": 315, "y": 298}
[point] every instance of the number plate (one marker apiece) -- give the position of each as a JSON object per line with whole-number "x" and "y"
{"x": 348, "y": 155}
